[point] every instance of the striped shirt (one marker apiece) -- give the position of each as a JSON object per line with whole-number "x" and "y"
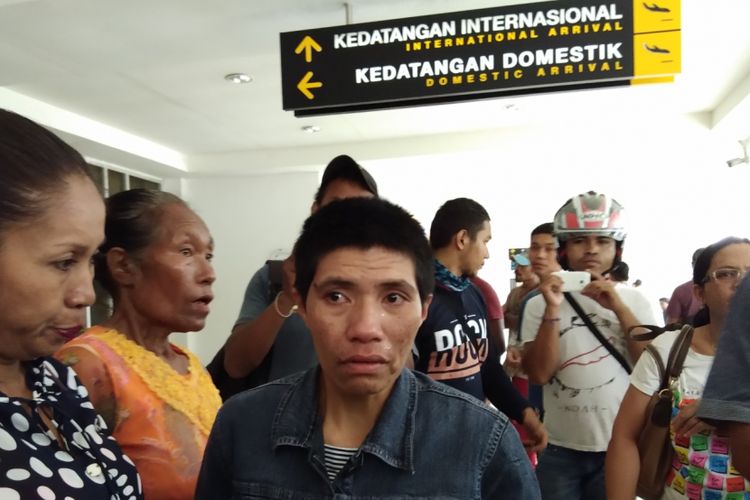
{"x": 336, "y": 458}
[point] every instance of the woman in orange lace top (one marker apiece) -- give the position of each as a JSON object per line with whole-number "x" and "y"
{"x": 157, "y": 398}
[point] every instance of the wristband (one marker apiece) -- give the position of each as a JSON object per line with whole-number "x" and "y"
{"x": 550, "y": 320}
{"x": 276, "y": 306}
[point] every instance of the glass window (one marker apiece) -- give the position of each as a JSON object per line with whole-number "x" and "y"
{"x": 116, "y": 182}
{"x": 137, "y": 182}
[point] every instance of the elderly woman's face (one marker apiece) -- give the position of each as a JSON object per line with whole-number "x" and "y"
{"x": 46, "y": 273}
{"x": 173, "y": 284}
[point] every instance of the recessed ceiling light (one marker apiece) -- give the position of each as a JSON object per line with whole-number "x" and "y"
{"x": 311, "y": 129}
{"x": 238, "y": 78}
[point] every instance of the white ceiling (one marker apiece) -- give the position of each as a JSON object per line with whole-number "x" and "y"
{"x": 146, "y": 77}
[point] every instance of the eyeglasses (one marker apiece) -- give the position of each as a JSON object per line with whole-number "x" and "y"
{"x": 726, "y": 275}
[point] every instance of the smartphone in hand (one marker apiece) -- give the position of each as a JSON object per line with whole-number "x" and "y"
{"x": 573, "y": 281}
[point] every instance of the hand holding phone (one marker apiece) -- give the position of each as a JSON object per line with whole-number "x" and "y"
{"x": 573, "y": 281}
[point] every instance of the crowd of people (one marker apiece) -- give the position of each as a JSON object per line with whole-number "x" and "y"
{"x": 365, "y": 365}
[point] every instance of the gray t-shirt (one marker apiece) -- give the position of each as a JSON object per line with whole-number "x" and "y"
{"x": 293, "y": 349}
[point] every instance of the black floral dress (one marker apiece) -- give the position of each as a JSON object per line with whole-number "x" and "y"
{"x": 84, "y": 463}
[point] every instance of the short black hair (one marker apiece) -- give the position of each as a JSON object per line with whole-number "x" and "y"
{"x": 362, "y": 223}
{"x": 546, "y": 228}
{"x": 454, "y": 216}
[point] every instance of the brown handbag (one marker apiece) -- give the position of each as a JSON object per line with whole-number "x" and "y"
{"x": 654, "y": 443}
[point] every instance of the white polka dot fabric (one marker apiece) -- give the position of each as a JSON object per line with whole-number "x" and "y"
{"x": 89, "y": 465}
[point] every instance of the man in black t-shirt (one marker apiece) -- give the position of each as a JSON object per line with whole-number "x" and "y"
{"x": 452, "y": 345}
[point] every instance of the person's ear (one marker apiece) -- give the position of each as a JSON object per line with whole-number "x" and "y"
{"x": 426, "y": 307}
{"x": 462, "y": 239}
{"x": 314, "y": 207}
{"x": 121, "y": 267}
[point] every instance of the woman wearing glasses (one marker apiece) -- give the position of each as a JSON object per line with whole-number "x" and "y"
{"x": 702, "y": 467}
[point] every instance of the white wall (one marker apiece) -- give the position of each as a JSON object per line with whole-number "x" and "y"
{"x": 249, "y": 218}
{"x": 670, "y": 174}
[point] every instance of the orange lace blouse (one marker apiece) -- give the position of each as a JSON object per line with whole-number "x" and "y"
{"x": 160, "y": 418}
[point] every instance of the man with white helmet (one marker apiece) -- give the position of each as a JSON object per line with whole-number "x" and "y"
{"x": 575, "y": 344}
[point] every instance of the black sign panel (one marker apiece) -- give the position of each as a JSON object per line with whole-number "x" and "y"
{"x": 461, "y": 55}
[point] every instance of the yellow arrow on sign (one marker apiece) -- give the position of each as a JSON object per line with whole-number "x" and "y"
{"x": 308, "y": 45}
{"x": 305, "y": 85}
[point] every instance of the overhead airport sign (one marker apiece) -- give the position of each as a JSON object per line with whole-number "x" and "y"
{"x": 526, "y": 48}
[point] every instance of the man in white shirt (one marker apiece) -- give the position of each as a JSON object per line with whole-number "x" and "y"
{"x": 584, "y": 379}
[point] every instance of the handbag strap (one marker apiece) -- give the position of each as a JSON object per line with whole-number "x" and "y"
{"x": 678, "y": 352}
{"x": 652, "y": 331}
{"x": 676, "y": 359}
{"x": 663, "y": 376}
{"x": 592, "y": 327}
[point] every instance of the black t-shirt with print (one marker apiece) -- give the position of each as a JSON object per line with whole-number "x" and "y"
{"x": 452, "y": 347}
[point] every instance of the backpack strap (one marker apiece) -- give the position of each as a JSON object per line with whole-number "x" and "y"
{"x": 592, "y": 327}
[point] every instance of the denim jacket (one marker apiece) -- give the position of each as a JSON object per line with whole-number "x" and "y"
{"x": 429, "y": 442}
